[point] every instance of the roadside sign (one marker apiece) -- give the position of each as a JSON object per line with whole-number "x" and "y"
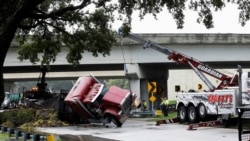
{"x": 151, "y": 87}
{"x": 152, "y": 98}
{"x": 50, "y": 137}
{"x": 199, "y": 86}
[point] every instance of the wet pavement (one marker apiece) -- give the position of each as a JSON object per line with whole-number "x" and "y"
{"x": 138, "y": 129}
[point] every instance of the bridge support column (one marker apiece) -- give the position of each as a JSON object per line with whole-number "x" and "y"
{"x": 133, "y": 74}
{"x": 140, "y": 76}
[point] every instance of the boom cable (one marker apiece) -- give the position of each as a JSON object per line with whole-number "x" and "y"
{"x": 124, "y": 61}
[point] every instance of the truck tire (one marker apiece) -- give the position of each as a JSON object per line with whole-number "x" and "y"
{"x": 112, "y": 119}
{"x": 192, "y": 114}
{"x": 202, "y": 111}
{"x": 182, "y": 114}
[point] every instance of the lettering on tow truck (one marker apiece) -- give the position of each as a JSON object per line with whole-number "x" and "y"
{"x": 227, "y": 98}
{"x": 210, "y": 71}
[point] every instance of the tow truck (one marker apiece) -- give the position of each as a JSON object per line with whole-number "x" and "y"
{"x": 40, "y": 91}
{"x": 220, "y": 101}
{"x": 93, "y": 101}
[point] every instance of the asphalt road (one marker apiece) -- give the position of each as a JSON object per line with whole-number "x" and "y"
{"x": 138, "y": 129}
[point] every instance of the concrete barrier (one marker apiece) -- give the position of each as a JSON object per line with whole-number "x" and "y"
{"x": 17, "y": 134}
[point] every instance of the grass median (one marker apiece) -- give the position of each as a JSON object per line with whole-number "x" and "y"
{"x": 4, "y": 136}
{"x": 171, "y": 115}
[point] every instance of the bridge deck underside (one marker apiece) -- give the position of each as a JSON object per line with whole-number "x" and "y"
{"x": 107, "y": 70}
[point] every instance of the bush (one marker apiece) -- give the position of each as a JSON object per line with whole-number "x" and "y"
{"x": 29, "y": 118}
{"x": 16, "y": 117}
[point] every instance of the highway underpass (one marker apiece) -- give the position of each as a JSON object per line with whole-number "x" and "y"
{"x": 143, "y": 65}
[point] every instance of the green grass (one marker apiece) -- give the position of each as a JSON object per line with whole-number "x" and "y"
{"x": 161, "y": 117}
{"x": 4, "y": 136}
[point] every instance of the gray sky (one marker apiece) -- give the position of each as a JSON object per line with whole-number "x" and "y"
{"x": 225, "y": 21}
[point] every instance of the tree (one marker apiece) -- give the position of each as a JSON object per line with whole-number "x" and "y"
{"x": 84, "y": 25}
{"x": 123, "y": 83}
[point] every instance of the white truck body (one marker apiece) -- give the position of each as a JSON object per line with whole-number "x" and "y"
{"x": 218, "y": 102}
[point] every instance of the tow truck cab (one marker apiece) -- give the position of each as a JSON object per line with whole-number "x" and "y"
{"x": 94, "y": 102}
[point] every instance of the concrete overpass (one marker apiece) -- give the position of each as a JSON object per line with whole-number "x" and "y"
{"x": 143, "y": 65}
{"x": 219, "y": 50}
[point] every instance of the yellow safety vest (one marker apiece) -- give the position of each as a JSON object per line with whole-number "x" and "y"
{"x": 165, "y": 102}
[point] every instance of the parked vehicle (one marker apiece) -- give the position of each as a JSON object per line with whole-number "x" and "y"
{"x": 90, "y": 99}
{"x": 10, "y": 100}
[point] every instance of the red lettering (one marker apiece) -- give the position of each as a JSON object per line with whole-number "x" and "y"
{"x": 224, "y": 98}
{"x": 220, "y": 98}
{"x": 211, "y": 98}
{"x": 230, "y": 98}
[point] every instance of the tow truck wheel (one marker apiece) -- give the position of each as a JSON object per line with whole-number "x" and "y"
{"x": 192, "y": 114}
{"x": 182, "y": 114}
{"x": 202, "y": 111}
{"x": 112, "y": 119}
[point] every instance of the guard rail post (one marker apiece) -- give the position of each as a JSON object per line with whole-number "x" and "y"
{"x": 18, "y": 134}
{"x": 10, "y": 131}
{"x": 26, "y": 136}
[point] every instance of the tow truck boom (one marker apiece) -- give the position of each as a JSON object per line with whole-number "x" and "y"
{"x": 197, "y": 66}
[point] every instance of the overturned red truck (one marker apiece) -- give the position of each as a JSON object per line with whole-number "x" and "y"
{"x": 94, "y": 102}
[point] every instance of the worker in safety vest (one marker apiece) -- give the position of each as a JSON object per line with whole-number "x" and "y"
{"x": 164, "y": 106}
{"x": 144, "y": 105}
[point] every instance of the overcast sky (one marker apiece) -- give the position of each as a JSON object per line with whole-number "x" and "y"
{"x": 225, "y": 21}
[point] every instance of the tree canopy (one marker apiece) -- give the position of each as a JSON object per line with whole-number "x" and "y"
{"x": 44, "y": 26}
